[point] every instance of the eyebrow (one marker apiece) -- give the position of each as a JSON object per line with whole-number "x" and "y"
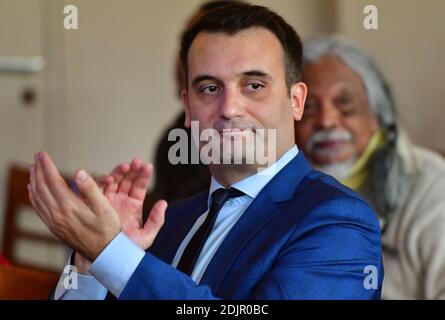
{"x": 343, "y": 86}
{"x": 256, "y": 73}
{"x": 203, "y": 77}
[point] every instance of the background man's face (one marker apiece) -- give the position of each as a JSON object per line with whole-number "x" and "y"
{"x": 337, "y": 123}
{"x": 238, "y": 82}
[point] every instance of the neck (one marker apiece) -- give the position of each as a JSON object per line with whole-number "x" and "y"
{"x": 228, "y": 174}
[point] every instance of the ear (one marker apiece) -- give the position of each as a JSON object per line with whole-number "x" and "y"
{"x": 186, "y": 102}
{"x": 298, "y": 93}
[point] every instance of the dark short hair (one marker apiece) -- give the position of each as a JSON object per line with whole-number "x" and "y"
{"x": 236, "y": 17}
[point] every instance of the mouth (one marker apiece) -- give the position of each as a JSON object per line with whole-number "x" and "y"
{"x": 330, "y": 144}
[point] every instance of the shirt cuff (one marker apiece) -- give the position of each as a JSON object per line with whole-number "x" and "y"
{"x": 75, "y": 286}
{"x": 88, "y": 288}
{"x": 117, "y": 263}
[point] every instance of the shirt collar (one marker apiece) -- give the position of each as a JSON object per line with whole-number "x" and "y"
{"x": 253, "y": 184}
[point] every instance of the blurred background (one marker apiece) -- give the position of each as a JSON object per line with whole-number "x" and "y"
{"x": 103, "y": 94}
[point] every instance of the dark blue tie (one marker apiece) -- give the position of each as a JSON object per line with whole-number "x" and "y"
{"x": 194, "y": 247}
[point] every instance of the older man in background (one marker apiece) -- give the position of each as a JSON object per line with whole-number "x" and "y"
{"x": 349, "y": 130}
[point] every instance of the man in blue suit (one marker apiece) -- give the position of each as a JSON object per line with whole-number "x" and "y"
{"x": 280, "y": 232}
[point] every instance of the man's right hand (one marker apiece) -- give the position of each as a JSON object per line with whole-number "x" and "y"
{"x": 126, "y": 187}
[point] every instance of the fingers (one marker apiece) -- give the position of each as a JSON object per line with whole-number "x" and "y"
{"x": 42, "y": 191}
{"x": 154, "y": 222}
{"x": 132, "y": 179}
{"x": 47, "y": 189}
{"x": 120, "y": 171}
{"x": 117, "y": 174}
{"x": 141, "y": 182}
{"x": 40, "y": 213}
{"x": 127, "y": 182}
{"x": 54, "y": 181}
{"x": 40, "y": 207}
{"x": 37, "y": 201}
{"x": 104, "y": 181}
{"x": 90, "y": 191}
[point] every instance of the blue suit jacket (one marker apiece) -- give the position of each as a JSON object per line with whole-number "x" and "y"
{"x": 305, "y": 236}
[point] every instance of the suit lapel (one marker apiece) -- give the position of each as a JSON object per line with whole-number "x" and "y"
{"x": 262, "y": 209}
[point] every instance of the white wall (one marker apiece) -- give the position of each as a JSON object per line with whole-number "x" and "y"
{"x": 306, "y": 16}
{"x": 22, "y": 126}
{"x": 118, "y": 80}
{"x": 409, "y": 45}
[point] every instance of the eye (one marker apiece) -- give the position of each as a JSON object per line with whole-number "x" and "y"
{"x": 255, "y": 86}
{"x": 345, "y": 105}
{"x": 209, "y": 89}
{"x": 341, "y": 101}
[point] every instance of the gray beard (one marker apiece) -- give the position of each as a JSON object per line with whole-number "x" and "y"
{"x": 339, "y": 170}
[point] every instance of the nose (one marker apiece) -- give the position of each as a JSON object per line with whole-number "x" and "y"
{"x": 231, "y": 105}
{"x": 328, "y": 116}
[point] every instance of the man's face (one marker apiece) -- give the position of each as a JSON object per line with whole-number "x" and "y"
{"x": 337, "y": 123}
{"x": 237, "y": 84}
